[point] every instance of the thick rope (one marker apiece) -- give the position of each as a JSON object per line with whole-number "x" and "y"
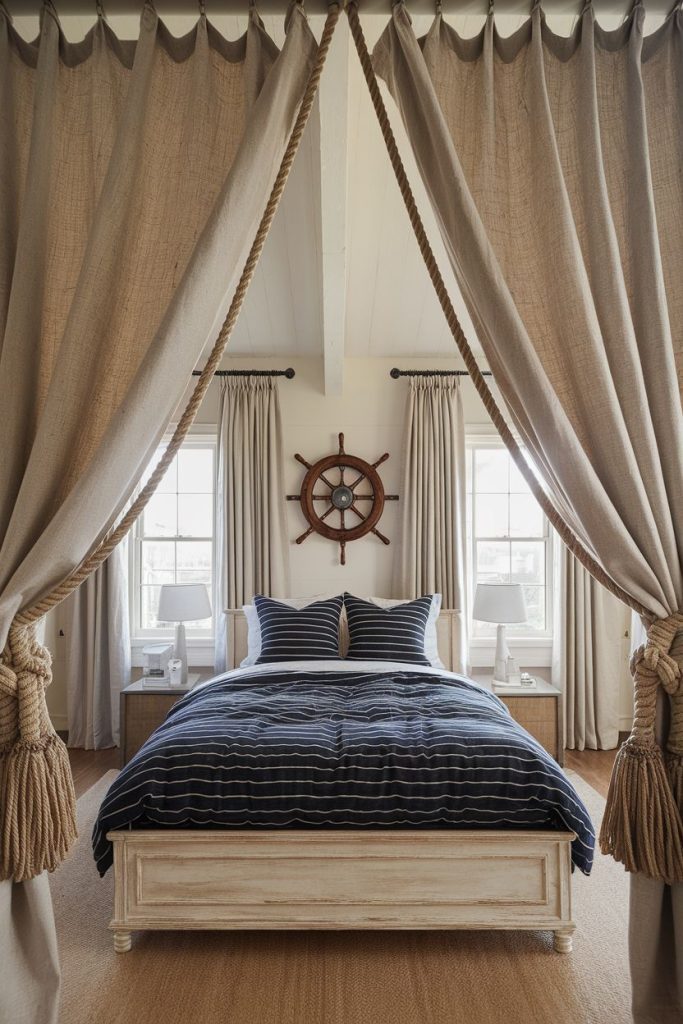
{"x": 37, "y": 797}
{"x": 479, "y": 381}
{"x": 642, "y": 825}
{"x": 102, "y": 552}
{"x": 36, "y": 789}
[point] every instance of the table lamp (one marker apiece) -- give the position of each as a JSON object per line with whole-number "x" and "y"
{"x": 181, "y": 603}
{"x": 500, "y": 603}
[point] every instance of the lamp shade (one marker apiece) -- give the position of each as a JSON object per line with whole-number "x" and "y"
{"x": 499, "y": 602}
{"x": 183, "y": 602}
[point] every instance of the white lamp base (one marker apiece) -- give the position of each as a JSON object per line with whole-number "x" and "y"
{"x": 500, "y": 669}
{"x": 181, "y": 650}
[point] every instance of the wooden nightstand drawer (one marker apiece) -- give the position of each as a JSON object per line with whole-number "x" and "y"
{"x": 531, "y": 709}
{"x": 143, "y": 710}
{"x": 538, "y": 715}
{"x": 142, "y": 714}
{"x": 539, "y": 711}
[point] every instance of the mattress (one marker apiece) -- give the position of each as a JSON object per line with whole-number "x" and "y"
{"x": 329, "y": 745}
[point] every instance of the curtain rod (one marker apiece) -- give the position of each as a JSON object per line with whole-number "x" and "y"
{"x": 288, "y": 373}
{"x": 396, "y": 373}
{"x": 367, "y": 7}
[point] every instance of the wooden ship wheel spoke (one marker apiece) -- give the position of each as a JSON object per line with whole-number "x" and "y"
{"x": 342, "y": 497}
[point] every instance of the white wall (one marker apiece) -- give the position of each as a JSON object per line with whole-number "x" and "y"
{"x": 371, "y": 415}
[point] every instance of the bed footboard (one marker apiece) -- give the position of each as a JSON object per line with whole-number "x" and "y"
{"x": 331, "y": 880}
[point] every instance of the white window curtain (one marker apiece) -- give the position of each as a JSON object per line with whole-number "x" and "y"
{"x": 132, "y": 179}
{"x": 252, "y": 547}
{"x": 94, "y": 631}
{"x": 432, "y": 554}
{"x": 590, "y": 653}
{"x": 553, "y": 166}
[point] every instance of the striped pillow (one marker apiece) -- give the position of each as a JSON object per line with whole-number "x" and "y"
{"x": 387, "y": 634}
{"x": 298, "y": 634}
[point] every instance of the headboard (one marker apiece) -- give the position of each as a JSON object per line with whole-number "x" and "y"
{"x": 448, "y": 628}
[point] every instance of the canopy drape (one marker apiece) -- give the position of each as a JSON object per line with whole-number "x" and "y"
{"x": 252, "y": 547}
{"x": 554, "y": 168}
{"x": 432, "y": 554}
{"x": 133, "y": 176}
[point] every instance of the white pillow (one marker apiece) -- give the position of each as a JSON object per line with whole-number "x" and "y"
{"x": 431, "y": 648}
{"x": 254, "y": 627}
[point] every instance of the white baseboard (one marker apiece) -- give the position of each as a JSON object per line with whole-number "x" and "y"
{"x": 625, "y": 723}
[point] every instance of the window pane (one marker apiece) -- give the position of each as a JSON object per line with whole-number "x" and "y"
{"x": 518, "y": 484}
{"x": 195, "y": 515}
{"x": 535, "y": 607}
{"x": 526, "y": 517}
{"x": 193, "y": 560}
{"x": 157, "y": 561}
{"x": 160, "y": 516}
{"x": 491, "y": 470}
{"x": 169, "y": 480}
{"x": 195, "y": 470}
{"x": 491, "y": 515}
{"x": 493, "y": 562}
{"x": 149, "y": 604}
{"x": 527, "y": 562}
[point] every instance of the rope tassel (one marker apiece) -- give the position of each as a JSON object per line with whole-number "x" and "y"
{"x": 36, "y": 788}
{"x": 642, "y": 827}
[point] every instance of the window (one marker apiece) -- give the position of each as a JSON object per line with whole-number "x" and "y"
{"x": 509, "y": 536}
{"x": 174, "y": 536}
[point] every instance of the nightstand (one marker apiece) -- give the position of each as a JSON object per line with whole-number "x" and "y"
{"x": 144, "y": 708}
{"x": 538, "y": 709}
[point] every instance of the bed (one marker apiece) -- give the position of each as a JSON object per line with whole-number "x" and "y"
{"x": 485, "y": 838}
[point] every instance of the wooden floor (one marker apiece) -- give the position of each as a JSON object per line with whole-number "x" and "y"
{"x": 88, "y": 766}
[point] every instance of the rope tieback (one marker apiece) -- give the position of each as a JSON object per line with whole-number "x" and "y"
{"x": 643, "y": 827}
{"x": 36, "y": 788}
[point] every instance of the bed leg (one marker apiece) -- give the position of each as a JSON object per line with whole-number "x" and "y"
{"x": 122, "y": 941}
{"x": 562, "y": 940}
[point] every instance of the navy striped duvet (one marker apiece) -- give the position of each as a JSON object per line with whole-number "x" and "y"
{"x": 306, "y": 747}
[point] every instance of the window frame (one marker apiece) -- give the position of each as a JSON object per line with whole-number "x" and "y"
{"x": 517, "y": 637}
{"x": 198, "y": 437}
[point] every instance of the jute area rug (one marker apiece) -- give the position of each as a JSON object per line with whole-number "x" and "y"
{"x": 339, "y": 977}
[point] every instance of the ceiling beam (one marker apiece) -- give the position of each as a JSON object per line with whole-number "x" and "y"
{"x": 332, "y": 126}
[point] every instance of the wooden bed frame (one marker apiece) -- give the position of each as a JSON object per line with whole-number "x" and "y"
{"x": 325, "y": 879}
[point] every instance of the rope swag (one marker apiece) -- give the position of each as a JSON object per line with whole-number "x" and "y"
{"x": 37, "y": 799}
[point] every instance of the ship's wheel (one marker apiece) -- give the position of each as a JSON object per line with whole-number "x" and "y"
{"x": 342, "y": 498}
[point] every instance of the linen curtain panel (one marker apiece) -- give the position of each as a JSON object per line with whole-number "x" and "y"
{"x": 554, "y": 169}
{"x": 252, "y": 547}
{"x": 433, "y": 549}
{"x": 132, "y": 179}
{"x": 96, "y": 662}
{"x": 589, "y": 654}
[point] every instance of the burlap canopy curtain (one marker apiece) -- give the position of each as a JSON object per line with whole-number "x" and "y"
{"x": 554, "y": 168}
{"x": 132, "y": 180}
